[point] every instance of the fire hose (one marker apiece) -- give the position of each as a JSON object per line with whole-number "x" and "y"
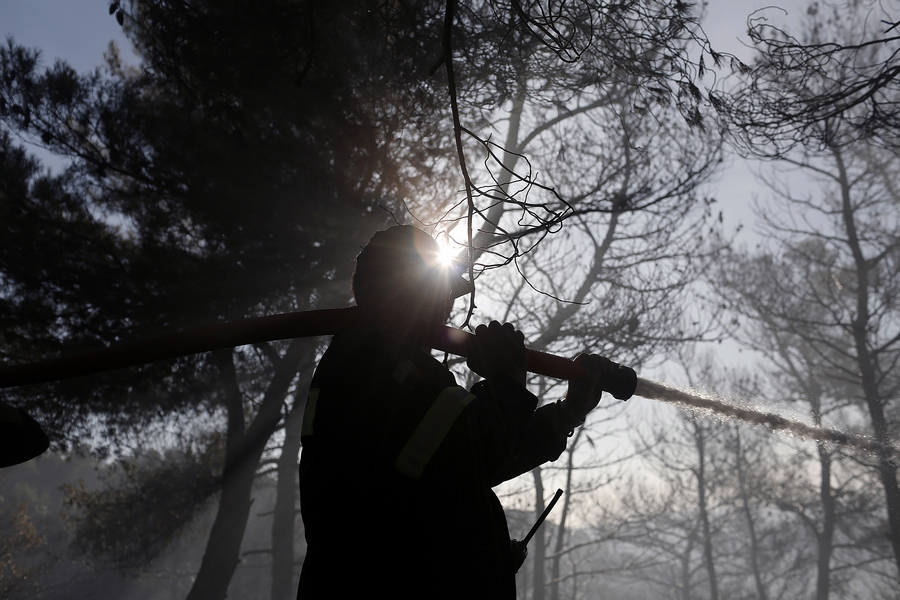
{"x": 624, "y": 384}
{"x": 274, "y": 327}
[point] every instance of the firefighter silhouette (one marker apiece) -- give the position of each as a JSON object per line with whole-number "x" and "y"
{"x": 398, "y": 460}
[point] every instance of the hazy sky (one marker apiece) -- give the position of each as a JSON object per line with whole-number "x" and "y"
{"x": 78, "y": 31}
{"x": 726, "y": 22}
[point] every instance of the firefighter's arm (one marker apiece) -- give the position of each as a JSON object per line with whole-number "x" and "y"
{"x": 485, "y": 435}
{"x": 484, "y": 425}
{"x": 496, "y": 433}
{"x": 546, "y": 436}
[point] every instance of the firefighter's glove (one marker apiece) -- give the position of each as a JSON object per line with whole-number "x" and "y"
{"x": 584, "y": 392}
{"x": 499, "y": 350}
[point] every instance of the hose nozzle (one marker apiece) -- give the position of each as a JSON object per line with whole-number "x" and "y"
{"x": 623, "y": 384}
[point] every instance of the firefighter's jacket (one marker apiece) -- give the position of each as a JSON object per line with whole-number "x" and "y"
{"x": 396, "y": 472}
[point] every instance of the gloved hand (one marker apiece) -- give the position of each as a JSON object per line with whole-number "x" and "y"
{"x": 584, "y": 393}
{"x": 499, "y": 350}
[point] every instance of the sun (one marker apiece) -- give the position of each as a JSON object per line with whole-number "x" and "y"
{"x": 446, "y": 256}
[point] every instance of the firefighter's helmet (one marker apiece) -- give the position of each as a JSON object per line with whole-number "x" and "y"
{"x": 404, "y": 260}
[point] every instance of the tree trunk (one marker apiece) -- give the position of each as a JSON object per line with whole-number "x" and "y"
{"x": 748, "y": 515}
{"x": 887, "y": 469}
{"x": 539, "y": 581}
{"x": 242, "y": 453}
{"x": 556, "y": 565}
{"x": 686, "y": 590}
{"x": 704, "y": 512}
{"x": 826, "y": 536}
{"x": 867, "y": 362}
{"x": 511, "y": 154}
{"x": 283, "y": 521}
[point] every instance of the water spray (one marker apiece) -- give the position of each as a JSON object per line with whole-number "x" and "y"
{"x": 622, "y": 386}
{"x": 698, "y": 402}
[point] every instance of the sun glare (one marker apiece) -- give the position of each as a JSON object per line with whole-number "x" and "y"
{"x": 446, "y": 253}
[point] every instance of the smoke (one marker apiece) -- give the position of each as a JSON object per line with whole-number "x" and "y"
{"x": 698, "y": 402}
